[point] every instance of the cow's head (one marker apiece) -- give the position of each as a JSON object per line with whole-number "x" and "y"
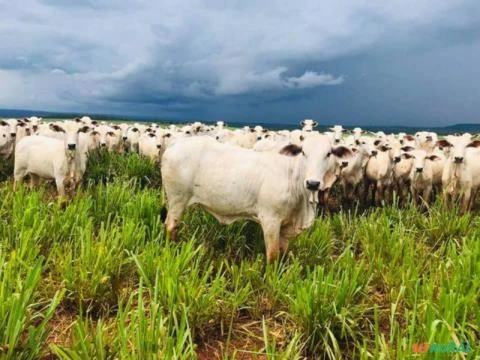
{"x": 106, "y": 136}
{"x": 308, "y": 124}
{"x": 5, "y": 138}
{"x": 70, "y": 130}
{"x": 12, "y": 126}
{"x": 320, "y": 158}
{"x": 420, "y": 159}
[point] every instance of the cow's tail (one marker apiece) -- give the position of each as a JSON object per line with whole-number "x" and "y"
{"x": 163, "y": 213}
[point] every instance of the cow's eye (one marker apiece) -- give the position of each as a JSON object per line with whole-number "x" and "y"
{"x": 110, "y": 133}
{"x": 4, "y": 135}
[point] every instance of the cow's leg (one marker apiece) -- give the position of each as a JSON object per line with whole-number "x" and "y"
{"x": 17, "y": 180}
{"x": 466, "y": 196}
{"x": 60, "y": 182}
{"x": 344, "y": 185}
{"x": 472, "y": 199}
{"x": 374, "y": 192}
{"x": 426, "y": 194}
{"x": 271, "y": 234}
{"x": 287, "y": 232}
{"x": 366, "y": 187}
{"x": 18, "y": 175}
{"x": 414, "y": 192}
{"x": 34, "y": 180}
{"x": 379, "y": 193}
{"x": 174, "y": 214}
{"x": 349, "y": 192}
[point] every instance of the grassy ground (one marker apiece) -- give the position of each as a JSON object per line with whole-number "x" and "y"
{"x": 96, "y": 279}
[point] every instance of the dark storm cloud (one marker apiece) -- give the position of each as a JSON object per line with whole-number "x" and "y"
{"x": 347, "y": 61}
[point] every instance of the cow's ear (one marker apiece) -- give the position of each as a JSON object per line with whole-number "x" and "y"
{"x": 443, "y": 143}
{"x": 167, "y": 135}
{"x": 264, "y": 130}
{"x": 315, "y": 124}
{"x": 384, "y": 148}
{"x": 291, "y": 150}
{"x": 84, "y": 129}
{"x": 433, "y": 157}
{"x": 407, "y": 156}
{"x": 77, "y": 120}
{"x": 26, "y": 120}
{"x": 407, "y": 148}
{"x": 116, "y": 127}
{"x": 3, "y": 123}
{"x": 94, "y": 133}
{"x": 22, "y": 124}
{"x": 151, "y": 134}
{"x": 345, "y": 130}
{"x": 341, "y": 151}
{"x": 302, "y": 123}
{"x": 474, "y": 144}
{"x": 57, "y": 128}
{"x": 377, "y": 142}
{"x": 409, "y": 137}
{"x": 94, "y": 122}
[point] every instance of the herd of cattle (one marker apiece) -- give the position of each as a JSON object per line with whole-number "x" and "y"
{"x": 276, "y": 178}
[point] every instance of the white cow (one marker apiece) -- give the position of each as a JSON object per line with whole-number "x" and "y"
{"x": 107, "y": 138}
{"x": 133, "y": 136}
{"x": 12, "y": 126}
{"x": 357, "y": 133}
{"x": 308, "y": 124}
{"x": 352, "y": 175}
{"x": 149, "y": 145}
{"x": 378, "y": 172}
{"x": 43, "y": 157}
{"x": 277, "y": 190}
{"x": 421, "y": 174}
{"x": 461, "y": 174}
{"x": 402, "y": 166}
{"x": 7, "y": 142}
{"x": 426, "y": 140}
{"x": 337, "y": 131}
{"x": 220, "y": 125}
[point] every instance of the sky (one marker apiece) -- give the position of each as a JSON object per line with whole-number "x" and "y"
{"x": 353, "y": 62}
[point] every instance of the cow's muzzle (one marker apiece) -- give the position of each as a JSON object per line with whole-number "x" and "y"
{"x": 312, "y": 185}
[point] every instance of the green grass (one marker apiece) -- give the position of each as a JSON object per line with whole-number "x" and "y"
{"x": 96, "y": 279}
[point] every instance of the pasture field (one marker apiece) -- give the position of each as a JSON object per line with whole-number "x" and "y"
{"x": 96, "y": 278}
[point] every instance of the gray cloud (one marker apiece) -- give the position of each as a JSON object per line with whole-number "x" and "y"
{"x": 176, "y": 56}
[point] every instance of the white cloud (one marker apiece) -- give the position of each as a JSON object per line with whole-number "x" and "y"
{"x": 275, "y": 79}
{"x": 311, "y": 79}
